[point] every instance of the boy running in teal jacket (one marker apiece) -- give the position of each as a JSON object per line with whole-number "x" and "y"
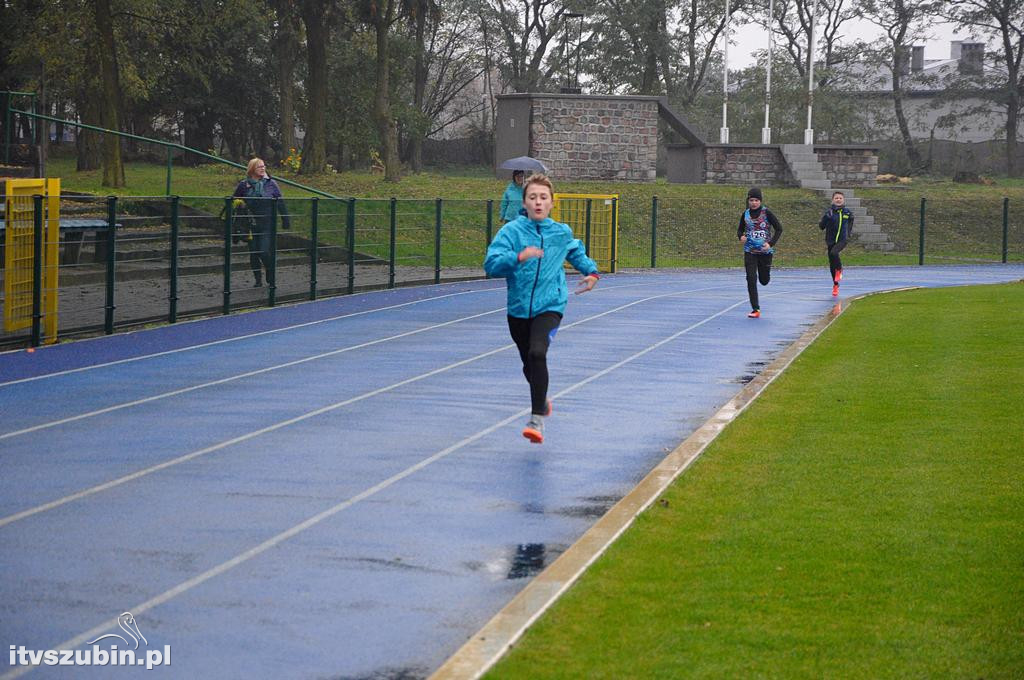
{"x": 528, "y": 252}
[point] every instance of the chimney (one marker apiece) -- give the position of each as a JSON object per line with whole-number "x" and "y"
{"x": 972, "y": 58}
{"x": 917, "y": 58}
{"x": 903, "y": 61}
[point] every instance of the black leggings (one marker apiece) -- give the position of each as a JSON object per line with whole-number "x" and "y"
{"x": 532, "y": 338}
{"x": 834, "y": 263}
{"x": 759, "y": 267}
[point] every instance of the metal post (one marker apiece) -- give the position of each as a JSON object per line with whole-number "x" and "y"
{"x": 350, "y": 237}
{"x": 724, "y": 131}
{"x": 654, "y": 232}
{"x": 314, "y": 240}
{"x": 586, "y": 241}
{"x": 615, "y": 228}
{"x": 437, "y": 241}
{"x": 766, "y": 131}
{"x": 168, "y": 171}
{"x": 228, "y": 230}
{"x": 1006, "y": 227}
{"x": 920, "y": 236}
{"x": 37, "y": 270}
{"x": 172, "y": 317}
{"x": 809, "y": 131}
{"x": 108, "y": 318}
{"x": 7, "y": 130}
{"x": 392, "y": 242}
{"x": 490, "y": 222}
{"x": 272, "y": 265}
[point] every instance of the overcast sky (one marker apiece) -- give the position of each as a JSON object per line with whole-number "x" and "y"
{"x": 751, "y": 38}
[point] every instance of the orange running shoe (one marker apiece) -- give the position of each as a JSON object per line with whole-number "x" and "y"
{"x": 839, "y": 275}
{"x": 534, "y": 430}
{"x": 756, "y": 314}
{"x": 835, "y": 290}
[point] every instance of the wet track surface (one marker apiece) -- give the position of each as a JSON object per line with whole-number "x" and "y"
{"x": 340, "y": 489}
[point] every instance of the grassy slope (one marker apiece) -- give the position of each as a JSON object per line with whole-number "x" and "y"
{"x": 861, "y": 520}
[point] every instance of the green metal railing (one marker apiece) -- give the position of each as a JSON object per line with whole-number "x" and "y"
{"x": 170, "y": 146}
{"x": 189, "y": 250}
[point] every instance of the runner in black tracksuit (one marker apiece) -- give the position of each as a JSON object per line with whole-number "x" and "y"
{"x": 837, "y": 223}
{"x": 758, "y": 245}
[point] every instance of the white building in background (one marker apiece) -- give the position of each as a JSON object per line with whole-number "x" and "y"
{"x": 932, "y": 110}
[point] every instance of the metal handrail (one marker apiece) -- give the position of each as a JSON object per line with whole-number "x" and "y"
{"x": 170, "y": 146}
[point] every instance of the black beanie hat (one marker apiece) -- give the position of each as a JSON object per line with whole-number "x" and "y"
{"x": 754, "y": 193}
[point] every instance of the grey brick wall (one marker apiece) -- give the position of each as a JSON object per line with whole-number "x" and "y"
{"x": 741, "y": 164}
{"x": 585, "y": 137}
{"x": 849, "y": 166}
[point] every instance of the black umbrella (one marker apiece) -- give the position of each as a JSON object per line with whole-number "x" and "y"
{"x": 524, "y": 163}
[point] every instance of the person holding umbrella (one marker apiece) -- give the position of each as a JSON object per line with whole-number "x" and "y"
{"x": 512, "y": 200}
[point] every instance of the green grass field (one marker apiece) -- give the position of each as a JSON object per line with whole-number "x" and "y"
{"x": 864, "y": 518}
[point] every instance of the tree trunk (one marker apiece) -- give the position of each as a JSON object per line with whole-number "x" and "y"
{"x": 419, "y": 87}
{"x": 287, "y": 47}
{"x": 113, "y": 168}
{"x": 88, "y": 146}
{"x": 198, "y": 128}
{"x": 386, "y": 126}
{"x": 1013, "y": 111}
{"x": 314, "y": 146}
{"x": 901, "y": 119}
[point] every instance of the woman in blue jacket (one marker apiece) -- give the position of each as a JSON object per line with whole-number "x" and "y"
{"x": 528, "y": 252}
{"x": 512, "y": 200}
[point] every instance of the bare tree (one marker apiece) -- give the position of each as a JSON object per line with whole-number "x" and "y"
{"x": 110, "y": 108}
{"x": 1004, "y": 21}
{"x": 526, "y": 29}
{"x": 903, "y": 22}
{"x": 316, "y": 15}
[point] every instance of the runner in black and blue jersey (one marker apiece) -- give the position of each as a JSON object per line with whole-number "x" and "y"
{"x": 759, "y": 231}
{"x": 837, "y": 223}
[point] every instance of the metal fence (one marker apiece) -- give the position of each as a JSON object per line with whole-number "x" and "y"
{"x": 142, "y": 260}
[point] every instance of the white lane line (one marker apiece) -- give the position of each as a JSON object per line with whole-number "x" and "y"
{"x": 249, "y": 374}
{"x": 183, "y": 390}
{"x": 213, "y": 572}
{"x": 244, "y": 337}
{"x": 64, "y": 500}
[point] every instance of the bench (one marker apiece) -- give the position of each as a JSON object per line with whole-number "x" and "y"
{"x": 72, "y": 231}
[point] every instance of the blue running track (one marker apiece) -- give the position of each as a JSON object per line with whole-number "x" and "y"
{"x": 340, "y": 488}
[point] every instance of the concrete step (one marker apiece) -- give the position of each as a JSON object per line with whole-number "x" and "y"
{"x": 816, "y": 184}
{"x": 812, "y": 174}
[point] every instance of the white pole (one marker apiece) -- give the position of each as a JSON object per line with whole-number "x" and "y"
{"x": 724, "y": 132}
{"x": 809, "y": 131}
{"x": 766, "y": 131}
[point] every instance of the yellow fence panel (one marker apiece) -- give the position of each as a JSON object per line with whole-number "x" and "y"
{"x": 19, "y": 254}
{"x": 571, "y": 209}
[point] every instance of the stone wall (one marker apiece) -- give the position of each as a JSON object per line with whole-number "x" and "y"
{"x": 746, "y": 164}
{"x": 849, "y": 166}
{"x": 604, "y": 138}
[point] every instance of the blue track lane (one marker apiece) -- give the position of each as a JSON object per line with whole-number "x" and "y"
{"x": 340, "y": 489}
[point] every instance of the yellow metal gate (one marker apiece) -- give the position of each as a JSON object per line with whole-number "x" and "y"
{"x": 19, "y": 255}
{"x": 603, "y": 220}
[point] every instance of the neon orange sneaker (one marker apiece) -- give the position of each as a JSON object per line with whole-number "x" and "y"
{"x": 534, "y": 430}
{"x": 756, "y": 314}
{"x": 835, "y": 290}
{"x": 839, "y": 275}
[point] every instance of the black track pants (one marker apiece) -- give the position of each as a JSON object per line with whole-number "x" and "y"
{"x": 834, "y": 263}
{"x": 532, "y": 338}
{"x": 759, "y": 267}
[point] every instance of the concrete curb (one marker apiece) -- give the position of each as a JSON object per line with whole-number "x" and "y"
{"x": 498, "y": 635}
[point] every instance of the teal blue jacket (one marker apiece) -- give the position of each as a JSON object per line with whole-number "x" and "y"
{"x": 536, "y": 285}
{"x": 511, "y": 202}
